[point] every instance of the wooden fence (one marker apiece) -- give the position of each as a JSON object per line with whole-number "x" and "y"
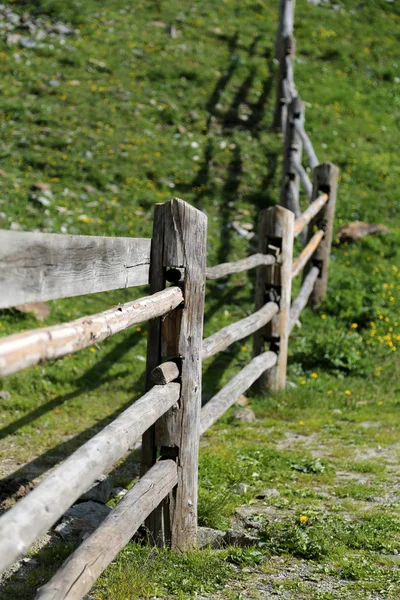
{"x": 169, "y": 417}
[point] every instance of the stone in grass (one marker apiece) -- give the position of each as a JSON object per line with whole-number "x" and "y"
{"x": 82, "y": 519}
{"x": 268, "y": 493}
{"x": 244, "y": 415}
{"x": 99, "y": 491}
{"x": 235, "y": 537}
{"x": 208, "y": 537}
{"x": 240, "y": 488}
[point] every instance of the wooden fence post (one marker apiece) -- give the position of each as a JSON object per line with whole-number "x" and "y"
{"x": 178, "y": 254}
{"x": 325, "y": 179}
{"x": 283, "y": 85}
{"x": 274, "y": 283}
{"x": 292, "y": 152}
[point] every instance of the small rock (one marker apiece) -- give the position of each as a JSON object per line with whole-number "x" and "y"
{"x": 99, "y": 491}
{"x": 395, "y": 551}
{"x": 206, "y": 536}
{"x": 245, "y": 415}
{"x": 118, "y": 492}
{"x": 82, "y": 519}
{"x": 240, "y": 488}
{"x": 268, "y": 493}
{"x": 355, "y": 231}
{"x": 62, "y": 29}
{"x": 13, "y": 38}
{"x": 239, "y": 538}
{"x": 4, "y": 395}
{"x": 54, "y": 83}
{"x": 27, "y": 42}
{"x": 15, "y": 226}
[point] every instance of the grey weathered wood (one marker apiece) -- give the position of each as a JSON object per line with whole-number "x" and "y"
{"x": 179, "y": 240}
{"x": 29, "y": 348}
{"x": 309, "y": 214}
{"x": 45, "y": 266}
{"x": 241, "y": 382}
{"x": 244, "y": 264}
{"x": 165, "y": 373}
{"x": 308, "y": 147}
{"x": 279, "y": 29}
{"x": 289, "y": 197}
{"x": 274, "y": 283}
{"x": 325, "y": 180}
{"x": 307, "y": 253}
{"x": 302, "y": 298}
{"x": 36, "y": 513}
{"x": 232, "y": 333}
{"x": 80, "y": 571}
{"x": 304, "y": 178}
{"x": 287, "y": 50}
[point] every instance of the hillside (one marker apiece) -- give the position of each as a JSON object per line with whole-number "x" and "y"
{"x": 108, "y": 108}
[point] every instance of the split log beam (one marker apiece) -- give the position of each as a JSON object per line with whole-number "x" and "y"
{"x": 308, "y": 147}
{"x": 307, "y": 253}
{"x": 36, "y": 513}
{"x": 300, "y": 302}
{"x": 244, "y": 264}
{"x": 241, "y": 382}
{"x": 165, "y": 373}
{"x": 309, "y": 214}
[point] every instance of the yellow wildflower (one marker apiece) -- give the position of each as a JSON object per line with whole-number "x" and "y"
{"x": 314, "y": 375}
{"x": 348, "y": 393}
{"x": 303, "y": 519}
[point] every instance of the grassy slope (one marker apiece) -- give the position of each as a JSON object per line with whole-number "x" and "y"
{"x": 137, "y": 127}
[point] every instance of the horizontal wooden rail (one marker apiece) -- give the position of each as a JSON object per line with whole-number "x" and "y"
{"x": 244, "y": 264}
{"x": 47, "y": 266}
{"x": 33, "y": 347}
{"x": 241, "y": 382}
{"x": 232, "y": 333}
{"x": 305, "y": 180}
{"x": 36, "y": 513}
{"x": 308, "y": 147}
{"x": 79, "y": 572}
{"x": 307, "y": 253}
{"x": 309, "y": 214}
{"x": 302, "y": 298}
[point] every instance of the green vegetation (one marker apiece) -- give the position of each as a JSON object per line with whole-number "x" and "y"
{"x": 122, "y": 115}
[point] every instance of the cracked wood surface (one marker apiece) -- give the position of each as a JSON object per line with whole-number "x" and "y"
{"x": 47, "y": 266}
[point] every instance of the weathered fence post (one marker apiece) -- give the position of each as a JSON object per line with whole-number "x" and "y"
{"x": 292, "y": 152}
{"x": 325, "y": 179}
{"x": 178, "y": 255}
{"x": 274, "y": 283}
{"x": 285, "y": 84}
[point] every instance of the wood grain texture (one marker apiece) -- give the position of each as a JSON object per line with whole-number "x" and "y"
{"x": 29, "y": 348}
{"x": 274, "y": 283}
{"x": 287, "y": 49}
{"x": 244, "y": 264}
{"x": 179, "y": 240}
{"x": 45, "y": 266}
{"x": 80, "y": 571}
{"x": 302, "y": 297}
{"x": 304, "y": 178}
{"x": 308, "y": 147}
{"x": 226, "y": 336}
{"x": 307, "y": 253}
{"x": 219, "y": 404}
{"x": 165, "y": 373}
{"x": 36, "y": 513}
{"x": 325, "y": 180}
{"x": 310, "y": 213}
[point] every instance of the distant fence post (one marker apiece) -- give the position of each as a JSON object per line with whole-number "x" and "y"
{"x": 325, "y": 179}
{"x": 274, "y": 283}
{"x": 178, "y": 255}
{"x": 292, "y": 152}
{"x": 284, "y": 84}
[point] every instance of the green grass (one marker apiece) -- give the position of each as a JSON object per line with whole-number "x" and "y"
{"x": 139, "y": 116}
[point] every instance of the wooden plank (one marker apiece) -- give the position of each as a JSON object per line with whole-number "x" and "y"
{"x": 232, "y": 333}
{"x": 308, "y": 147}
{"x": 274, "y": 284}
{"x": 36, "y": 513}
{"x": 180, "y": 231}
{"x": 326, "y": 181}
{"x": 219, "y": 404}
{"x": 29, "y": 348}
{"x": 287, "y": 50}
{"x": 302, "y": 298}
{"x": 304, "y": 178}
{"x": 244, "y": 264}
{"x": 79, "y": 572}
{"x": 165, "y": 373}
{"x": 309, "y": 214}
{"x": 46, "y": 266}
{"x": 307, "y": 253}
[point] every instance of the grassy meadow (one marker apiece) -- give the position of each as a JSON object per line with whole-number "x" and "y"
{"x": 122, "y": 114}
